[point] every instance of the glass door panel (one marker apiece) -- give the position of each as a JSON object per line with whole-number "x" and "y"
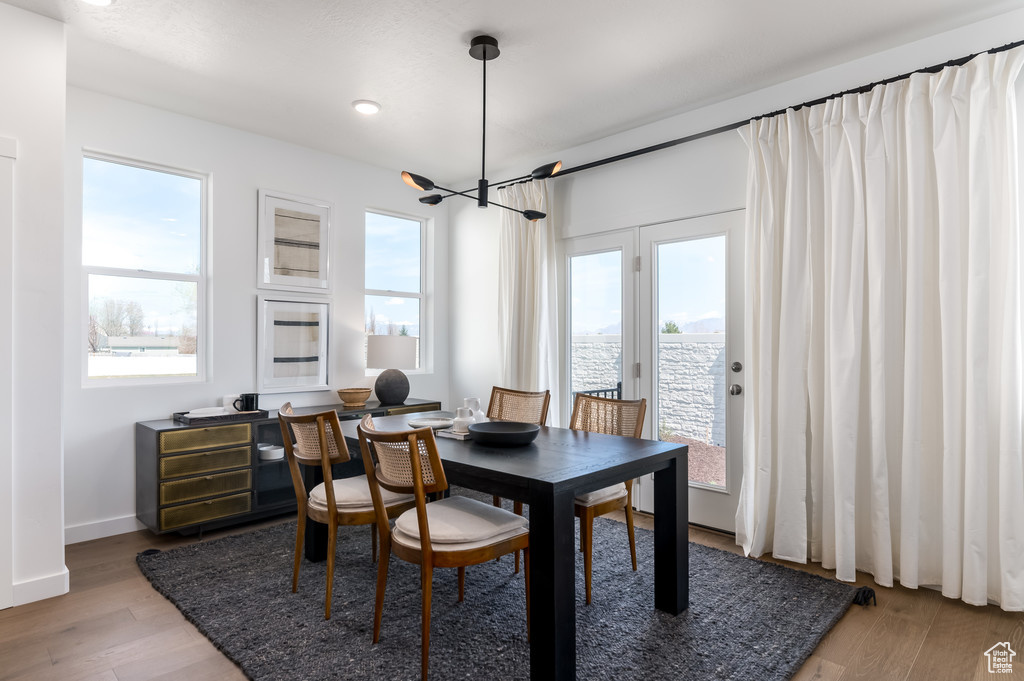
{"x": 600, "y": 324}
{"x": 595, "y": 314}
{"x": 690, "y": 358}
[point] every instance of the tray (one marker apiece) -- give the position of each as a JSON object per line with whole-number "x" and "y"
{"x": 180, "y": 417}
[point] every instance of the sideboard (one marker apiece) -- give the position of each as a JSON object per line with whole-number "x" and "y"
{"x": 202, "y": 476}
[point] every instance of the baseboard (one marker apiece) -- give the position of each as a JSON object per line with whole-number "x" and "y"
{"x": 42, "y": 588}
{"x": 74, "y": 534}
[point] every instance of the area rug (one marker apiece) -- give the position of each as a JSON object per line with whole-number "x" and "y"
{"x": 747, "y": 619}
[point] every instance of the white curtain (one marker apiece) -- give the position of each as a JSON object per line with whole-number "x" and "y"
{"x": 882, "y": 423}
{"x": 528, "y": 293}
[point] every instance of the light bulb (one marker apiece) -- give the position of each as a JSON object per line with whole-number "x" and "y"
{"x": 366, "y": 107}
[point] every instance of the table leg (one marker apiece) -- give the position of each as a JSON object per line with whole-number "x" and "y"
{"x": 315, "y": 543}
{"x": 552, "y": 586}
{"x": 671, "y": 540}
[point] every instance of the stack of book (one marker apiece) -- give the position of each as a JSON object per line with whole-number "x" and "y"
{"x": 448, "y": 432}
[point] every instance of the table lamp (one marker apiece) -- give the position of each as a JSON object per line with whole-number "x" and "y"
{"x": 391, "y": 353}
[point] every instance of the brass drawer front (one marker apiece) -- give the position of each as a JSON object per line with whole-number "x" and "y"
{"x": 205, "y": 486}
{"x": 408, "y": 410}
{"x": 204, "y": 462}
{"x": 204, "y": 511}
{"x": 204, "y": 438}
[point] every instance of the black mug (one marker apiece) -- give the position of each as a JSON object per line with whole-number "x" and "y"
{"x": 247, "y": 402}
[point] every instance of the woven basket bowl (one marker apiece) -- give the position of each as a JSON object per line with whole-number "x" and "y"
{"x": 354, "y": 397}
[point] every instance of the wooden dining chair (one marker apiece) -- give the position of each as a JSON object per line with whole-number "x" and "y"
{"x": 518, "y": 405}
{"x": 612, "y": 417}
{"x": 522, "y": 406}
{"x": 346, "y": 501}
{"x": 453, "y": 531}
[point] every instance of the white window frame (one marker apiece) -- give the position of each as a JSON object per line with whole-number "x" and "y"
{"x": 200, "y": 279}
{"x": 426, "y": 311}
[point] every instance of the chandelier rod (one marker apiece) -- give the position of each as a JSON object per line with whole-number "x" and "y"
{"x": 489, "y": 184}
{"x": 484, "y": 48}
{"x": 466, "y": 193}
{"x": 483, "y": 124}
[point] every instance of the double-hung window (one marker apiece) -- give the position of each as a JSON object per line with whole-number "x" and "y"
{"x": 395, "y": 276}
{"x": 143, "y": 272}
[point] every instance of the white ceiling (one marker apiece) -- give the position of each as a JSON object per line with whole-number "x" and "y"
{"x": 570, "y": 71}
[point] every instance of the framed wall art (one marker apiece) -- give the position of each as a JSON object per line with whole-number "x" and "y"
{"x": 291, "y": 351}
{"x": 294, "y": 242}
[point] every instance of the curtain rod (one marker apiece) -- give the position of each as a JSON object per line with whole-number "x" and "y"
{"x": 735, "y": 126}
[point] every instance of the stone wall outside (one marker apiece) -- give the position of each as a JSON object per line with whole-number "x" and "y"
{"x": 691, "y": 381}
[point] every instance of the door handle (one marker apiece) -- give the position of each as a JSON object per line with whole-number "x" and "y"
{"x": 735, "y": 389}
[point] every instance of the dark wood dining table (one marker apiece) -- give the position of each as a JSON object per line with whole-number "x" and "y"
{"x": 548, "y": 474}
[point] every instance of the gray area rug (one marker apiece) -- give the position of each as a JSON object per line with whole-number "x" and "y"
{"x": 747, "y": 619}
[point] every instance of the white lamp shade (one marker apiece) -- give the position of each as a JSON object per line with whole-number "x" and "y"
{"x": 391, "y": 352}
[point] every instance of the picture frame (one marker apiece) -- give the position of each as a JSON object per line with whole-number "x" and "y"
{"x": 293, "y": 233}
{"x": 292, "y": 343}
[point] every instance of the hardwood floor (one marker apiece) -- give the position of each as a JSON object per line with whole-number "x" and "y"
{"x": 113, "y": 626}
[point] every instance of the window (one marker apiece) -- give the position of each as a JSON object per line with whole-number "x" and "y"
{"x": 142, "y": 259}
{"x": 394, "y": 277}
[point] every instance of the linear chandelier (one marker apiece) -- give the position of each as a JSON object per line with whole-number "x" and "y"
{"x": 484, "y": 48}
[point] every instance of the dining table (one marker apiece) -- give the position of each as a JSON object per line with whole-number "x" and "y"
{"x": 548, "y": 474}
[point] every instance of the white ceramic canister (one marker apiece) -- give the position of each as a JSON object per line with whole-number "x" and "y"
{"x": 463, "y": 417}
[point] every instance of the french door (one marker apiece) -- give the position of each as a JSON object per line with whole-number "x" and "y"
{"x": 656, "y": 312}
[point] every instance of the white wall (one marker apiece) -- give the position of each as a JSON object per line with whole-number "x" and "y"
{"x": 697, "y": 178}
{"x": 473, "y": 282}
{"x": 32, "y": 90}
{"x": 99, "y": 421}
{"x": 8, "y": 154}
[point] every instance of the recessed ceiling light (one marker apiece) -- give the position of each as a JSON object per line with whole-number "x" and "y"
{"x": 366, "y": 107}
{"x": 99, "y": 3}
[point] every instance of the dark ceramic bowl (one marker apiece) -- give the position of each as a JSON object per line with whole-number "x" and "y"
{"x": 504, "y": 433}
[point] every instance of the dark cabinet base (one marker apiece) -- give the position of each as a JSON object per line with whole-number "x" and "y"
{"x": 199, "y": 476}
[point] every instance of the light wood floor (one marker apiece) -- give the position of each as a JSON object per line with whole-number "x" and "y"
{"x": 113, "y": 626}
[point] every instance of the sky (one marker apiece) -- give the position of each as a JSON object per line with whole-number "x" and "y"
{"x": 135, "y": 218}
{"x": 393, "y": 246}
{"x": 140, "y": 219}
{"x": 691, "y": 287}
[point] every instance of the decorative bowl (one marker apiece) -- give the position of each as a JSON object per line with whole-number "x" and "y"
{"x": 435, "y": 422}
{"x": 504, "y": 433}
{"x": 270, "y": 452}
{"x": 354, "y": 397}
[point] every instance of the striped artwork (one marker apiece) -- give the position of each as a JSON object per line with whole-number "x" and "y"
{"x": 296, "y": 343}
{"x": 296, "y": 243}
{"x": 293, "y": 242}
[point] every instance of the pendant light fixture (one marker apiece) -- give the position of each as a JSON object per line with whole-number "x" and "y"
{"x": 484, "y": 48}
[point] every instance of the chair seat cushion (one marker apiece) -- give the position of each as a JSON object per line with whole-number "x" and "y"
{"x": 353, "y": 494}
{"x": 460, "y": 520}
{"x": 601, "y": 495}
{"x": 440, "y": 547}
